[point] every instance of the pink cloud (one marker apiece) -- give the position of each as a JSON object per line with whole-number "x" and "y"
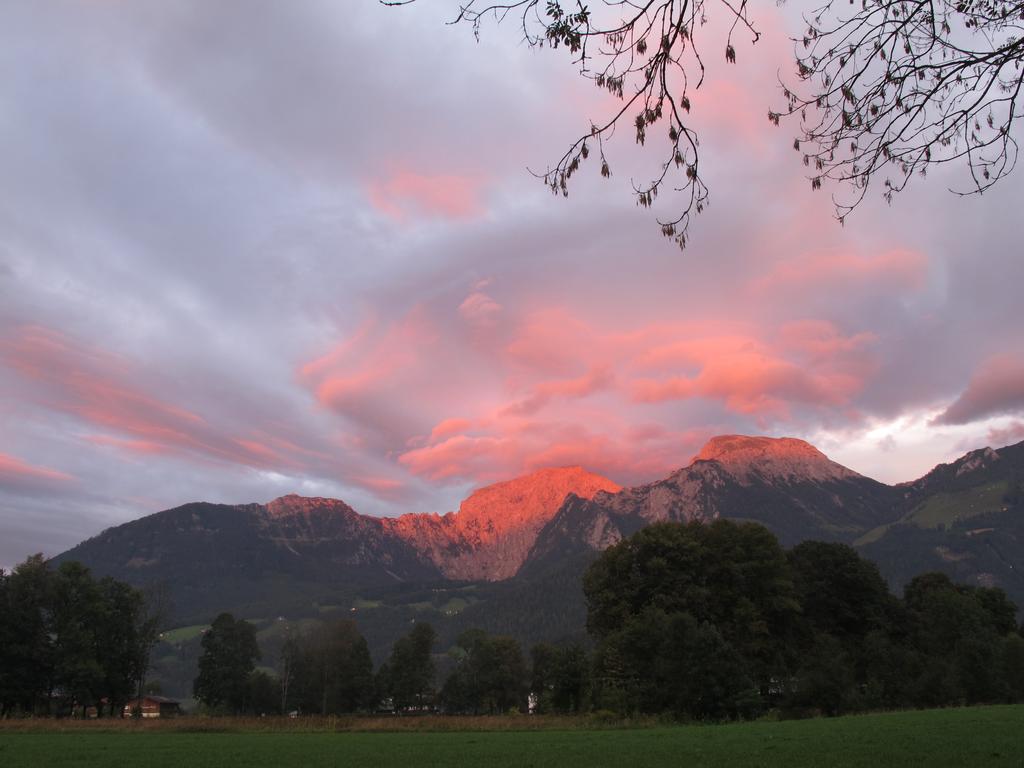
{"x": 997, "y": 387}
{"x": 101, "y": 390}
{"x": 383, "y": 487}
{"x": 595, "y": 380}
{"x": 14, "y": 471}
{"x": 897, "y": 269}
{"x": 564, "y": 389}
{"x": 693, "y": 351}
{"x": 619, "y": 452}
{"x": 479, "y": 309}
{"x": 821, "y": 340}
{"x": 461, "y": 456}
{"x": 407, "y": 193}
{"x": 808, "y": 363}
{"x": 449, "y": 427}
{"x": 131, "y": 446}
{"x": 626, "y": 455}
{"x": 360, "y": 377}
{"x": 552, "y": 341}
{"x": 752, "y": 384}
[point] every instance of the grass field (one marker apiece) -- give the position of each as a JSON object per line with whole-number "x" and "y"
{"x": 946, "y": 509}
{"x": 183, "y": 634}
{"x": 979, "y": 736}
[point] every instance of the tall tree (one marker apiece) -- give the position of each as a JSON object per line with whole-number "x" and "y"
{"x": 120, "y": 645}
{"x": 334, "y": 670}
{"x": 67, "y": 641}
{"x": 411, "y": 668}
{"x": 77, "y": 604}
{"x": 289, "y": 662}
{"x": 154, "y": 614}
{"x": 29, "y": 652}
{"x": 7, "y": 635}
{"x": 841, "y": 594}
{"x": 560, "y": 677}
{"x": 229, "y": 655}
{"x": 675, "y": 592}
{"x": 489, "y": 677}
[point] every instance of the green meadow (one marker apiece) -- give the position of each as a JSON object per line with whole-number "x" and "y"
{"x": 976, "y": 736}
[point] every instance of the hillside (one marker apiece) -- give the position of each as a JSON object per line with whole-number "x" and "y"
{"x": 511, "y": 559}
{"x": 785, "y": 484}
{"x": 965, "y": 518}
{"x": 269, "y": 559}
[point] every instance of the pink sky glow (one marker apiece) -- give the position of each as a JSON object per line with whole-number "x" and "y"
{"x": 237, "y": 262}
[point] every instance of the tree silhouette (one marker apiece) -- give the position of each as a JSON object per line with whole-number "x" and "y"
{"x": 883, "y": 87}
{"x": 230, "y": 652}
{"x": 902, "y": 85}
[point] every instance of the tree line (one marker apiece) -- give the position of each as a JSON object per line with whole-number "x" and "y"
{"x": 69, "y": 641}
{"x": 717, "y": 621}
{"x": 700, "y": 621}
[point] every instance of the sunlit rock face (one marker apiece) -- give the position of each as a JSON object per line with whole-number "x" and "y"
{"x": 772, "y": 458}
{"x": 494, "y": 529}
{"x": 487, "y": 539}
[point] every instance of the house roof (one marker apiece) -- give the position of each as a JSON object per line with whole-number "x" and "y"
{"x": 154, "y": 700}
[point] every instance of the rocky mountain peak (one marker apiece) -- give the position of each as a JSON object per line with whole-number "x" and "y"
{"x": 978, "y": 459}
{"x": 528, "y": 501}
{"x": 293, "y": 505}
{"x": 772, "y": 458}
{"x": 491, "y": 534}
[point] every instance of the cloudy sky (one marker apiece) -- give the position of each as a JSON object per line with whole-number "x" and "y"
{"x": 253, "y": 248}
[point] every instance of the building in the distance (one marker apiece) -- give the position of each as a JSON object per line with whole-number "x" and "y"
{"x": 152, "y": 706}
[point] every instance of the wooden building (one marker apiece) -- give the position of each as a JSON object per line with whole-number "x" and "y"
{"x": 153, "y": 706}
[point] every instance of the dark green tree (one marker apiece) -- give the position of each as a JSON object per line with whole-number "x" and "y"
{"x": 844, "y": 601}
{"x": 67, "y": 641}
{"x": 411, "y": 669}
{"x": 703, "y": 675}
{"x": 7, "y": 638}
{"x": 655, "y": 598}
{"x": 958, "y": 632}
{"x": 263, "y": 695}
{"x": 27, "y": 655}
{"x": 841, "y": 594}
{"x": 334, "y": 671}
{"x": 120, "y": 644}
{"x": 1013, "y": 667}
{"x": 560, "y": 677}
{"x": 229, "y": 654}
{"x": 489, "y": 677}
{"x": 77, "y": 611}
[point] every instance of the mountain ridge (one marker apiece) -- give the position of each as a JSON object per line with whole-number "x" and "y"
{"x": 531, "y": 525}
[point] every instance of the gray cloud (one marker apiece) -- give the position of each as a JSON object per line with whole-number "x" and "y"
{"x": 997, "y": 388}
{"x": 187, "y": 202}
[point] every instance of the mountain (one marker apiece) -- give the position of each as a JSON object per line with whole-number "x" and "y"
{"x": 965, "y": 519}
{"x": 265, "y": 557}
{"x": 511, "y": 559}
{"x": 783, "y": 483}
{"x": 494, "y": 529}
{"x": 219, "y": 556}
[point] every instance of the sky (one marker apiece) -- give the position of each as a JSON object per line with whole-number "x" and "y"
{"x": 256, "y": 248}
